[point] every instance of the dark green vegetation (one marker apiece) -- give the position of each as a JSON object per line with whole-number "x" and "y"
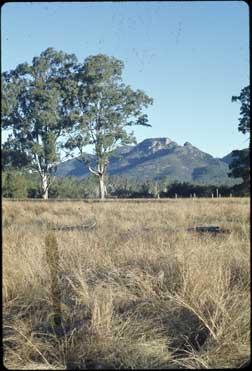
{"x": 17, "y": 184}
{"x": 38, "y": 107}
{"x": 244, "y": 99}
{"x": 240, "y": 166}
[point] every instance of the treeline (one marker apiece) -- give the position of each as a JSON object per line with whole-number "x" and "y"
{"x": 20, "y": 184}
{"x": 124, "y": 188}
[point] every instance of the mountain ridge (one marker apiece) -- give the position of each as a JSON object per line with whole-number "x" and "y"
{"x": 155, "y": 158}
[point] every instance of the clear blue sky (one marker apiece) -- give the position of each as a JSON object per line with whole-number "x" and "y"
{"x": 191, "y": 57}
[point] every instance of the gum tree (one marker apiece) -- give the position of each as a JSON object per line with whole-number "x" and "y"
{"x": 106, "y": 108}
{"x": 38, "y": 103}
{"x": 244, "y": 99}
{"x": 240, "y": 166}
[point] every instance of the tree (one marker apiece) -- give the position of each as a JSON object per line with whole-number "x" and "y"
{"x": 38, "y": 106}
{"x": 240, "y": 166}
{"x": 12, "y": 159}
{"x": 106, "y": 108}
{"x": 14, "y": 185}
{"x": 244, "y": 99}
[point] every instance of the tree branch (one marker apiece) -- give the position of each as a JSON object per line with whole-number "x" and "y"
{"x": 97, "y": 173}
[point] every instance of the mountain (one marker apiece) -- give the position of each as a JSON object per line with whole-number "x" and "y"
{"x": 156, "y": 158}
{"x": 228, "y": 158}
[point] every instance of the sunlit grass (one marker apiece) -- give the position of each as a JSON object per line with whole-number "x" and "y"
{"x": 134, "y": 294}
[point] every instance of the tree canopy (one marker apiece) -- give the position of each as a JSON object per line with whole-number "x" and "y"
{"x": 244, "y": 99}
{"x": 55, "y": 96}
{"x": 106, "y": 108}
{"x": 240, "y": 166}
{"x": 38, "y": 107}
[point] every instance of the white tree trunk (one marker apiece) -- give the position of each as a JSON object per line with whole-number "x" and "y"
{"x": 44, "y": 178}
{"x": 100, "y": 172}
{"x": 45, "y": 185}
{"x": 102, "y": 188}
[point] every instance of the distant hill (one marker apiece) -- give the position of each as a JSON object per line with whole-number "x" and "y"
{"x": 228, "y": 158}
{"x": 156, "y": 158}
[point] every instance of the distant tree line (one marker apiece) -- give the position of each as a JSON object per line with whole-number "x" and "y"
{"x": 125, "y": 188}
{"x": 21, "y": 184}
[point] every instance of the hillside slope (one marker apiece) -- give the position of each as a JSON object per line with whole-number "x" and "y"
{"x": 156, "y": 158}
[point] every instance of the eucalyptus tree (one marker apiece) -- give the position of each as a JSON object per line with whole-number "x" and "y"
{"x": 106, "y": 108}
{"x": 240, "y": 166}
{"x": 38, "y": 106}
{"x": 244, "y": 99}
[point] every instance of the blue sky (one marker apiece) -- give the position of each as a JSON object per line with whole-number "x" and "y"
{"x": 190, "y": 57}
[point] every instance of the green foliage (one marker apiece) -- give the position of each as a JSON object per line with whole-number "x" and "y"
{"x": 20, "y": 184}
{"x": 106, "y": 108}
{"x": 188, "y": 190}
{"x": 13, "y": 159}
{"x": 38, "y": 106}
{"x": 127, "y": 188}
{"x": 244, "y": 99}
{"x": 45, "y": 101}
{"x": 240, "y": 166}
{"x": 71, "y": 187}
{"x": 14, "y": 185}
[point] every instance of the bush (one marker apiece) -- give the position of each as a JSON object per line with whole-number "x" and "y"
{"x": 14, "y": 185}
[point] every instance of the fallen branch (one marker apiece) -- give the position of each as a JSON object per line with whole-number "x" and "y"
{"x": 211, "y": 229}
{"x": 79, "y": 227}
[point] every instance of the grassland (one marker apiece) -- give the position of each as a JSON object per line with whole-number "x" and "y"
{"x": 134, "y": 294}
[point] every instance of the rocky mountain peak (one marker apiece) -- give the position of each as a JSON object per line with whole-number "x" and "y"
{"x": 155, "y": 158}
{"x": 154, "y": 144}
{"x": 187, "y": 144}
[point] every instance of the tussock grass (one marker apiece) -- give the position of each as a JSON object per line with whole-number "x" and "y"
{"x": 133, "y": 293}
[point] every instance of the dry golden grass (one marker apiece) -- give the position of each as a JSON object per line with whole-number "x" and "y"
{"x": 133, "y": 293}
